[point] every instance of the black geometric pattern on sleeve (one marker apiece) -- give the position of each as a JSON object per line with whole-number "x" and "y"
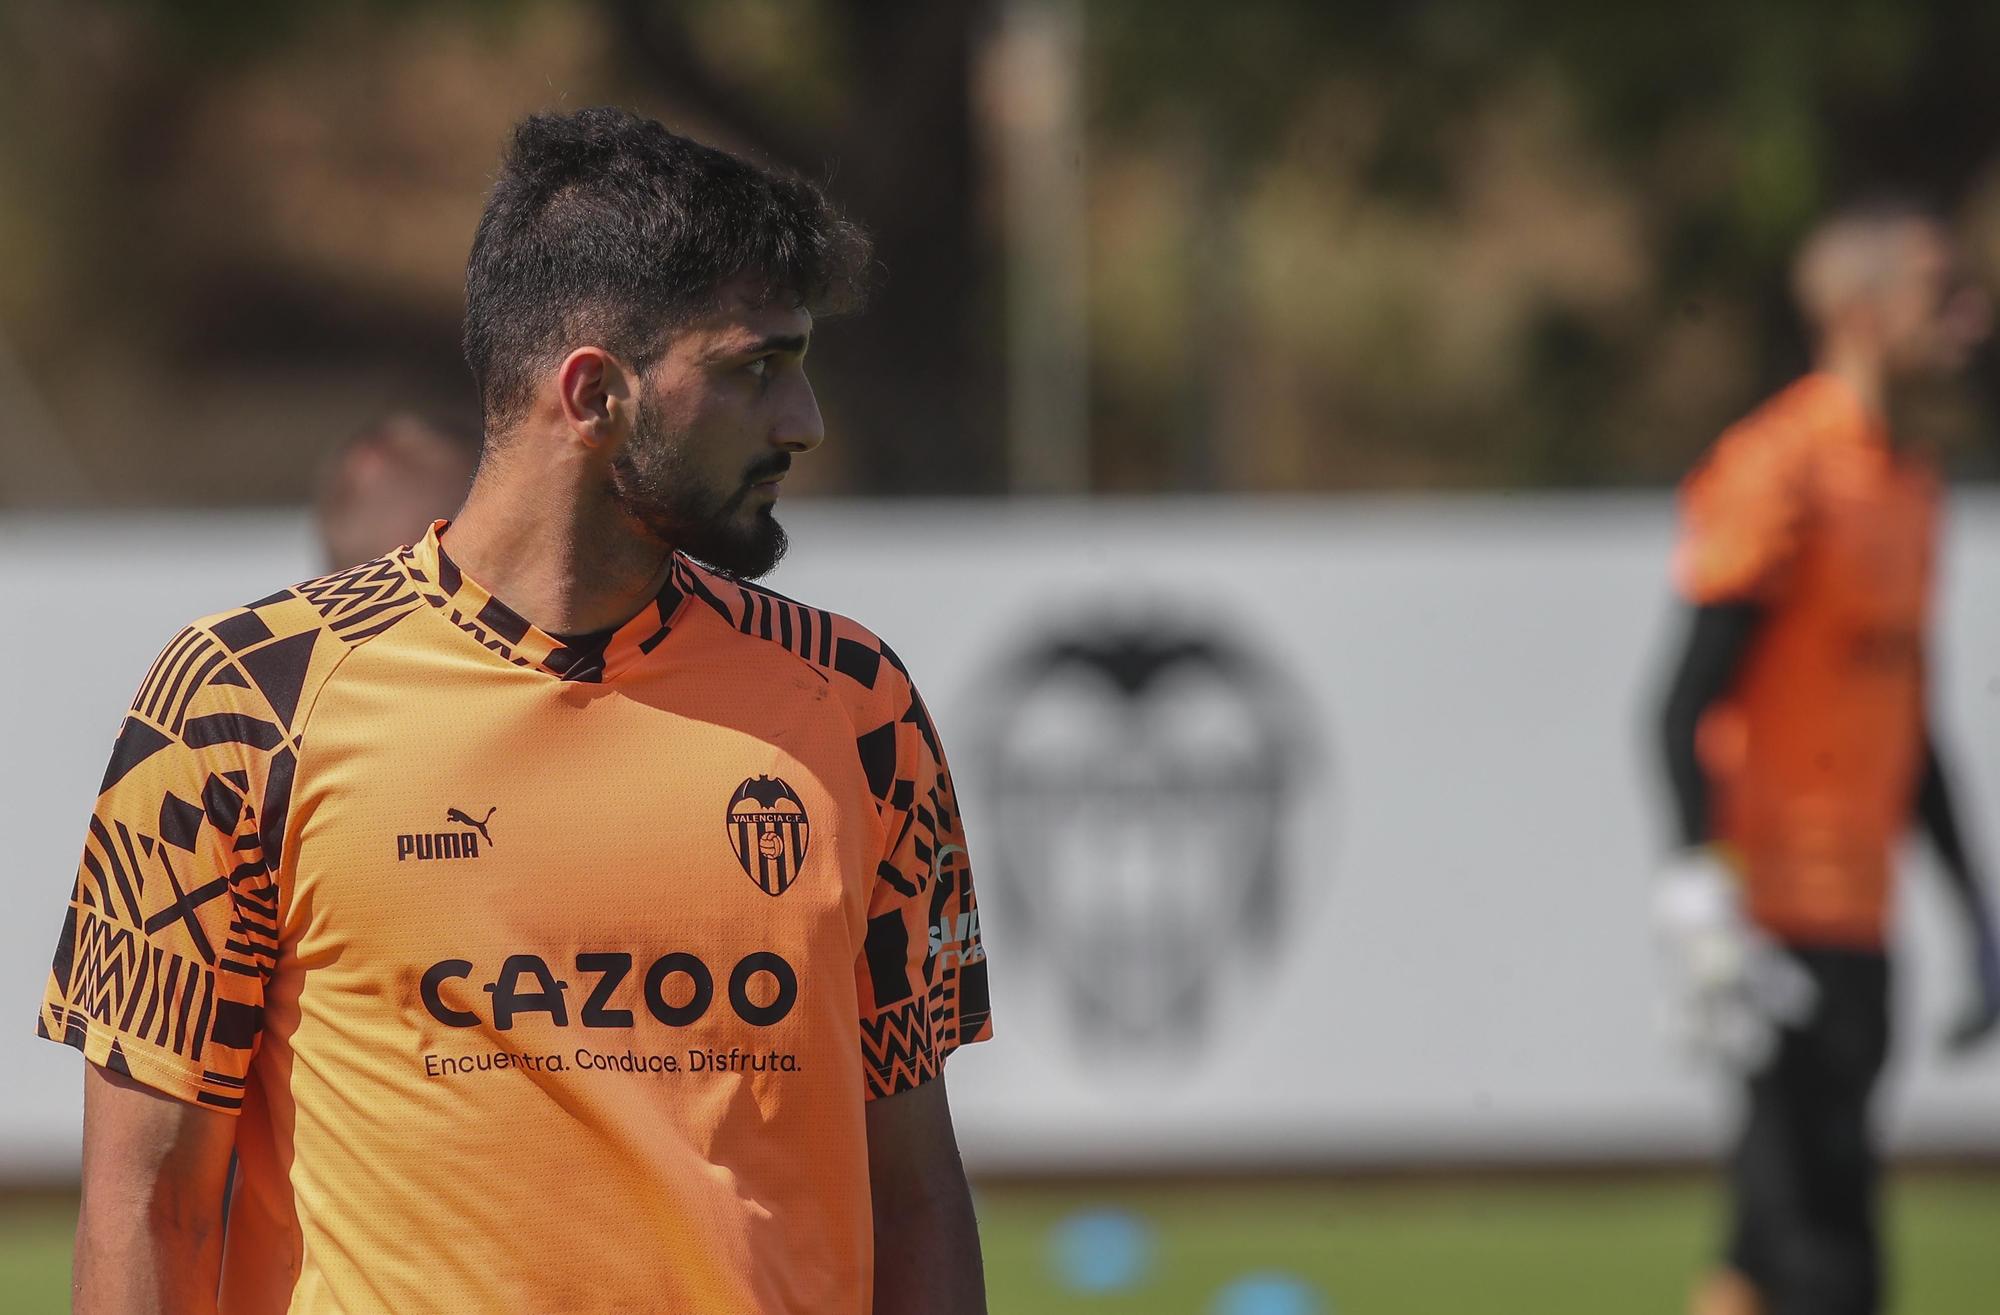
{"x": 920, "y": 1019}
{"x": 898, "y": 1048}
{"x": 140, "y": 989}
{"x": 172, "y": 931}
{"x": 928, "y": 866}
{"x": 826, "y": 642}
{"x": 363, "y": 601}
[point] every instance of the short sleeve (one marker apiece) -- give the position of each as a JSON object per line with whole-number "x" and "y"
{"x": 1742, "y": 515}
{"x": 172, "y": 928}
{"x": 922, "y": 973}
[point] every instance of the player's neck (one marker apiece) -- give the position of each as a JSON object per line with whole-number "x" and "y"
{"x": 552, "y": 546}
{"x": 1860, "y": 371}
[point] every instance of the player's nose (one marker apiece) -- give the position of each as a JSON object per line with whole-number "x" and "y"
{"x": 798, "y": 427}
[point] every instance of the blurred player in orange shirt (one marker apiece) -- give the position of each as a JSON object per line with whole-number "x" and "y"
{"x": 1799, "y": 747}
{"x": 383, "y": 486}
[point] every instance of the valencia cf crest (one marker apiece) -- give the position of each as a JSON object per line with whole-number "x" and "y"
{"x": 769, "y": 832}
{"x": 1145, "y": 773}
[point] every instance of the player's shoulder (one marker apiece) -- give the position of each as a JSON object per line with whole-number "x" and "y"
{"x": 855, "y": 660}
{"x": 1788, "y": 426}
{"x": 348, "y": 607}
{"x": 276, "y": 650}
{"x": 1773, "y": 448}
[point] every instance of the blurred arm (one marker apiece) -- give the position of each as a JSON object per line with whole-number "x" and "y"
{"x": 1939, "y": 817}
{"x": 926, "y": 1239}
{"x": 149, "y": 1234}
{"x": 1719, "y": 636}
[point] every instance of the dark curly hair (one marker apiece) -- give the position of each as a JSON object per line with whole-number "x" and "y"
{"x": 606, "y": 228}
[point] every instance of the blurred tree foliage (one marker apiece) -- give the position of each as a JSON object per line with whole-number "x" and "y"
{"x": 1553, "y": 235}
{"x": 1436, "y": 243}
{"x": 872, "y": 98}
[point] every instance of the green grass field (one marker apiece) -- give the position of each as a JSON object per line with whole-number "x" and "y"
{"x": 1478, "y": 1248}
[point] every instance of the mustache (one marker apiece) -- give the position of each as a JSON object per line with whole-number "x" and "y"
{"x": 770, "y": 467}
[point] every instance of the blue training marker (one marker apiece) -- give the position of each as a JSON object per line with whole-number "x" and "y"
{"x": 1270, "y": 1294}
{"x": 1101, "y": 1250}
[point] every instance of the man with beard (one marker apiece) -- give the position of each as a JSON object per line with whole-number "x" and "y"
{"x": 434, "y": 887}
{"x": 1799, "y": 746}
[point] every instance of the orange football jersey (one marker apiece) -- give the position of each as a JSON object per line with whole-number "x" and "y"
{"x": 1808, "y": 510}
{"x": 545, "y": 975}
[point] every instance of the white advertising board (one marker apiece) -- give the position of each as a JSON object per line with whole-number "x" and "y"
{"x": 1307, "y": 832}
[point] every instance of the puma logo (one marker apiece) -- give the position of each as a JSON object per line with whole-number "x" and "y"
{"x": 448, "y": 844}
{"x": 465, "y": 819}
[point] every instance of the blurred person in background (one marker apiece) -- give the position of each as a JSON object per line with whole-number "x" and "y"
{"x": 383, "y": 486}
{"x": 1799, "y": 747}
{"x": 584, "y": 960}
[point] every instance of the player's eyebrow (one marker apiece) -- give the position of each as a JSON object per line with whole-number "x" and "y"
{"x": 790, "y": 343}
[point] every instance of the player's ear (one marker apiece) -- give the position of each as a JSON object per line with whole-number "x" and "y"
{"x": 597, "y": 392}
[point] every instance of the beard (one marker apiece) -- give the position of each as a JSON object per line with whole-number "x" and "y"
{"x": 655, "y": 484}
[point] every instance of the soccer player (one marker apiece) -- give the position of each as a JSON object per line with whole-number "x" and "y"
{"x": 543, "y": 913}
{"x": 383, "y": 486}
{"x": 1798, "y": 745}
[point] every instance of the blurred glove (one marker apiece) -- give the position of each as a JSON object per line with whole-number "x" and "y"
{"x": 1982, "y": 1017}
{"x": 1732, "y": 987}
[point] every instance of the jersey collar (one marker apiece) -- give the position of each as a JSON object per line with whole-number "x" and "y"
{"x": 601, "y": 656}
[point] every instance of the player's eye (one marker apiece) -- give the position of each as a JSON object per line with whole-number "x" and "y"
{"x": 759, "y": 369}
